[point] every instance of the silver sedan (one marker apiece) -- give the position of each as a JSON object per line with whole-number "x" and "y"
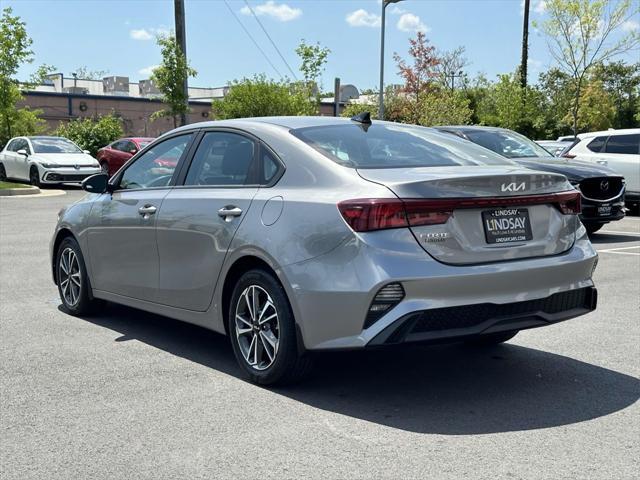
{"x": 296, "y": 235}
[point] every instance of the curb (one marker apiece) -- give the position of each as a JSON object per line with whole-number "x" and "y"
{"x": 12, "y": 192}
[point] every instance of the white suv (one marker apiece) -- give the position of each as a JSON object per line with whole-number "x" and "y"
{"x": 618, "y": 150}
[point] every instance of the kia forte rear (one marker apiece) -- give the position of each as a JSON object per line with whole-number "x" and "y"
{"x": 294, "y": 235}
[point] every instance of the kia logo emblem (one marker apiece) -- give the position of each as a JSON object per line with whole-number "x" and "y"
{"x": 512, "y": 187}
{"x": 604, "y": 185}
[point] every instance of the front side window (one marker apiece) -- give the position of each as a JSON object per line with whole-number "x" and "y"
{"x": 155, "y": 167}
{"x": 222, "y": 158}
{"x": 623, "y": 144}
{"x": 13, "y": 145}
{"x": 596, "y": 144}
{"x": 54, "y": 145}
{"x": 394, "y": 146}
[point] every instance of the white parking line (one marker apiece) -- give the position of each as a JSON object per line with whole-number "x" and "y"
{"x": 615, "y": 250}
{"x": 620, "y": 232}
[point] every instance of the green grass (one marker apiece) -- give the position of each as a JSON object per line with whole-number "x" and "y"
{"x": 12, "y": 185}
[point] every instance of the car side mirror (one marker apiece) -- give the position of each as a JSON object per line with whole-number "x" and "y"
{"x": 98, "y": 183}
{"x": 22, "y": 152}
{"x": 86, "y": 151}
{"x": 133, "y": 151}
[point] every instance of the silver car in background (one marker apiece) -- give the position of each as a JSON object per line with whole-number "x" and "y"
{"x": 299, "y": 234}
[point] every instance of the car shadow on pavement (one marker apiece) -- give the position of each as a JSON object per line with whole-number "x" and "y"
{"x": 614, "y": 238}
{"x": 452, "y": 390}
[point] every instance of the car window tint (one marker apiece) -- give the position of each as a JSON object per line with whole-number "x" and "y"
{"x": 269, "y": 167}
{"x": 156, "y": 167}
{"x": 119, "y": 146}
{"x": 596, "y": 144}
{"x": 129, "y": 147}
{"x": 625, "y": 144}
{"x": 394, "y": 146}
{"x": 222, "y": 158}
{"x": 11, "y": 147}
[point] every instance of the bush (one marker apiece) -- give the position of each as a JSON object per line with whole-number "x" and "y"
{"x": 262, "y": 97}
{"x": 92, "y": 133}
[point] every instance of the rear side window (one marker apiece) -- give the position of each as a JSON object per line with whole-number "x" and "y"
{"x": 222, "y": 159}
{"x": 625, "y": 144}
{"x": 394, "y": 146}
{"x": 596, "y": 144}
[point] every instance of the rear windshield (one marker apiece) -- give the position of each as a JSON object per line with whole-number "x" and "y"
{"x": 54, "y": 145}
{"x": 507, "y": 143}
{"x": 394, "y": 146}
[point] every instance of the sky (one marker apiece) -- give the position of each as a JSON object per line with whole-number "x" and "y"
{"x": 119, "y": 36}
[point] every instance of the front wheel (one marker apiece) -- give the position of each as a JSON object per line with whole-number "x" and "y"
{"x": 34, "y": 176}
{"x": 72, "y": 279}
{"x": 593, "y": 227}
{"x": 263, "y": 331}
{"x": 3, "y": 173}
{"x": 104, "y": 166}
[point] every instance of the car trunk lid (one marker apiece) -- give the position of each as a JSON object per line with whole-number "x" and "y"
{"x": 480, "y": 214}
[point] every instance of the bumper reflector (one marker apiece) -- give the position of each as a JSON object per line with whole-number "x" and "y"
{"x": 386, "y": 298}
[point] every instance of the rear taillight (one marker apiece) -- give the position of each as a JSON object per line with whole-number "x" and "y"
{"x": 368, "y": 214}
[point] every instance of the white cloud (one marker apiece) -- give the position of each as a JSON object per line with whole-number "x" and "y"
{"x": 630, "y": 26}
{"x": 148, "y": 33}
{"x": 147, "y": 70}
{"x": 409, "y": 22}
{"x": 396, "y": 10}
{"x": 534, "y": 64}
{"x": 362, "y": 18}
{"x": 540, "y": 7}
{"x": 281, "y": 12}
{"x": 140, "y": 34}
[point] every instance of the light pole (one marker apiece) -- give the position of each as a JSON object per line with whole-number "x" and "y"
{"x": 381, "y": 93}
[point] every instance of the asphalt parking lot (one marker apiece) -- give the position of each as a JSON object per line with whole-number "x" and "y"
{"x": 126, "y": 394}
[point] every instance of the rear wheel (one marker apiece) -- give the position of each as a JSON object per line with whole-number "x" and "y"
{"x": 593, "y": 227}
{"x": 491, "y": 339}
{"x": 72, "y": 279}
{"x": 34, "y": 176}
{"x": 263, "y": 331}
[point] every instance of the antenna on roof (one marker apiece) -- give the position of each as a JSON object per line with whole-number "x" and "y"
{"x": 364, "y": 118}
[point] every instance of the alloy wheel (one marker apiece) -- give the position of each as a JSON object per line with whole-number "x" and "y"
{"x": 70, "y": 276}
{"x": 257, "y": 327}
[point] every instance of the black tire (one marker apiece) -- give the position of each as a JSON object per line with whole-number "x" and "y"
{"x": 593, "y": 227}
{"x": 85, "y": 304}
{"x": 34, "y": 176}
{"x": 104, "y": 166}
{"x": 3, "y": 173}
{"x": 491, "y": 339}
{"x": 288, "y": 365}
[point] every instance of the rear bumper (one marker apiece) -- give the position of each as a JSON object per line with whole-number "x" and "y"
{"x": 451, "y": 323}
{"x": 331, "y": 294}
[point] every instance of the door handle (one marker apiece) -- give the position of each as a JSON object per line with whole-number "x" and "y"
{"x": 229, "y": 212}
{"x": 147, "y": 211}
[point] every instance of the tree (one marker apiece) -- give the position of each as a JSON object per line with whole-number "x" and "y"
{"x": 84, "y": 72}
{"x": 450, "y": 64}
{"x": 15, "y": 49}
{"x": 420, "y": 72}
{"x": 597, "y": 110}
{"x": 443, "y": 107}
{"x": 92, "y": 133}
{"x": 313, "y": 58}
{"x": 622, "y": 83}
{"x": 259, "y": 97}
{"x": 170, "y": 76}
{"x": 579, "y": 35}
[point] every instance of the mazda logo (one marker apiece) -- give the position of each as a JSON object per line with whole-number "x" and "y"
{"x": 604, "y": 185}
{"x": 77, "y": 167}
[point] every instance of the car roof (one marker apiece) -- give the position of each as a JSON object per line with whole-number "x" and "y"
{"x": 622, "y": 131}
{"x": 468, "y": 128}
{"x": 285, "y": 122}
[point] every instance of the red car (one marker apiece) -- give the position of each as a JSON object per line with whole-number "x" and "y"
{"x": 116, "y": 154}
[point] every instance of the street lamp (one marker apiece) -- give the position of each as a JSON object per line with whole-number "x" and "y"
{"x": 381, "y": 93}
